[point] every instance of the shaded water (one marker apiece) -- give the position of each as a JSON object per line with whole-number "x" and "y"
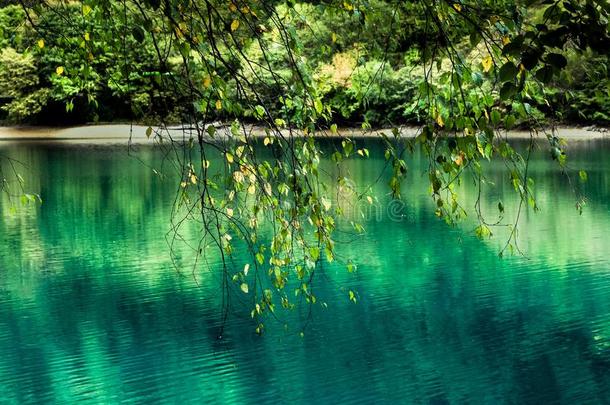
{"x": 91, "y": 309}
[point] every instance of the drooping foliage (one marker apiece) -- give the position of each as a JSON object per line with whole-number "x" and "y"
{"x": 465, "y": 72}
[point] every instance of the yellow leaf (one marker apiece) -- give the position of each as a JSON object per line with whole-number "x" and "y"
{"x": 230, "y": 212}
{"x": 229, "y": 157}
{"x": 505, "y": 40}
{"x": 251, "y": 189}
{"x": 234, "y": 25}
{"x": 87, "y": 36}
{"x": 59, "y": 70}
{"x": 457, "y": 7}
{"x": 41, "y": 43}
{"x": 86, "y": 10}
{"x": 459, "y": 159}
{"x": 218, "y": 105}
{"x": 266, "y": 141}
{"x": 232, "y": 7}
{"x": 439, "y": 121}
{"x": 238, "y": 176}
{"x": 487, "y": 63}
{"x": 246, "y": 269}
{"x": 369, "y": 199}
{"x": 333, "y": 37}
{"x": 207, "y": 82}
{"x": 244, "y": 288}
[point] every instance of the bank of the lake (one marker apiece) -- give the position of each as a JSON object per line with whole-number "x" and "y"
{"x": 119, "y": 133}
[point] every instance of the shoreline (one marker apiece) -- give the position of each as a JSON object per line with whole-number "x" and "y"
{"x": 122, "y": 133}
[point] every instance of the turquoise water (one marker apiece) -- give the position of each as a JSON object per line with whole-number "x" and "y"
{"x": 92, "y": 309}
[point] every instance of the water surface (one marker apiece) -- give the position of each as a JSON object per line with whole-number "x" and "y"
{"x": 92, "y": 309}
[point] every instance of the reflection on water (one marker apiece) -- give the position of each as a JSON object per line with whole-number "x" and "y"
{"x": 92, "y": 310}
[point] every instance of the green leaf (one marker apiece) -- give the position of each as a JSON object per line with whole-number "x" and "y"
{"x": 545, "y": 74}
{"x": 318, "y": 106}
{"x": 557, "y": 60}
{"x": 351, "y": 267}
{"x": 348, "y": 147}
{"x": 155, "y": 4}
{"x": 530, "y": 58}
{"x": 138, "y": 33}
{"x": 259, "y": 111}
{"x": 260, "y": 258}
{"x": 314, "y": 252}
{"x": 495, "y": 117}
{"x": 508, "y": 71}
{"x": 185, "y": 51}
{"x": 482, "y": 231}
{"x": 583, "y": 175}
{"x": 507, "y": 91}
{"x": 352, "y": 296}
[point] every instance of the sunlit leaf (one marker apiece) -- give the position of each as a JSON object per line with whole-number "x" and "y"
{"x": 583, "y": 175}
{"x": 439, "y": 120}
{"x": 487, "y": 63}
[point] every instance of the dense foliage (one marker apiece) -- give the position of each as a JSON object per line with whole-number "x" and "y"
{"x": 366, "y": 60}
{"x": 463, "y": 71}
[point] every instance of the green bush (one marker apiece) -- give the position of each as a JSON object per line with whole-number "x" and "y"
{"x": 19, "y": 85}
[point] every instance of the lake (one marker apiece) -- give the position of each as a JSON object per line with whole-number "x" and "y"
{"x": 93, "y": 310}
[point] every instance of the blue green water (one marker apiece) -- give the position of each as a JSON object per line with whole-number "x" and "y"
{"x": 92, "y": 309}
